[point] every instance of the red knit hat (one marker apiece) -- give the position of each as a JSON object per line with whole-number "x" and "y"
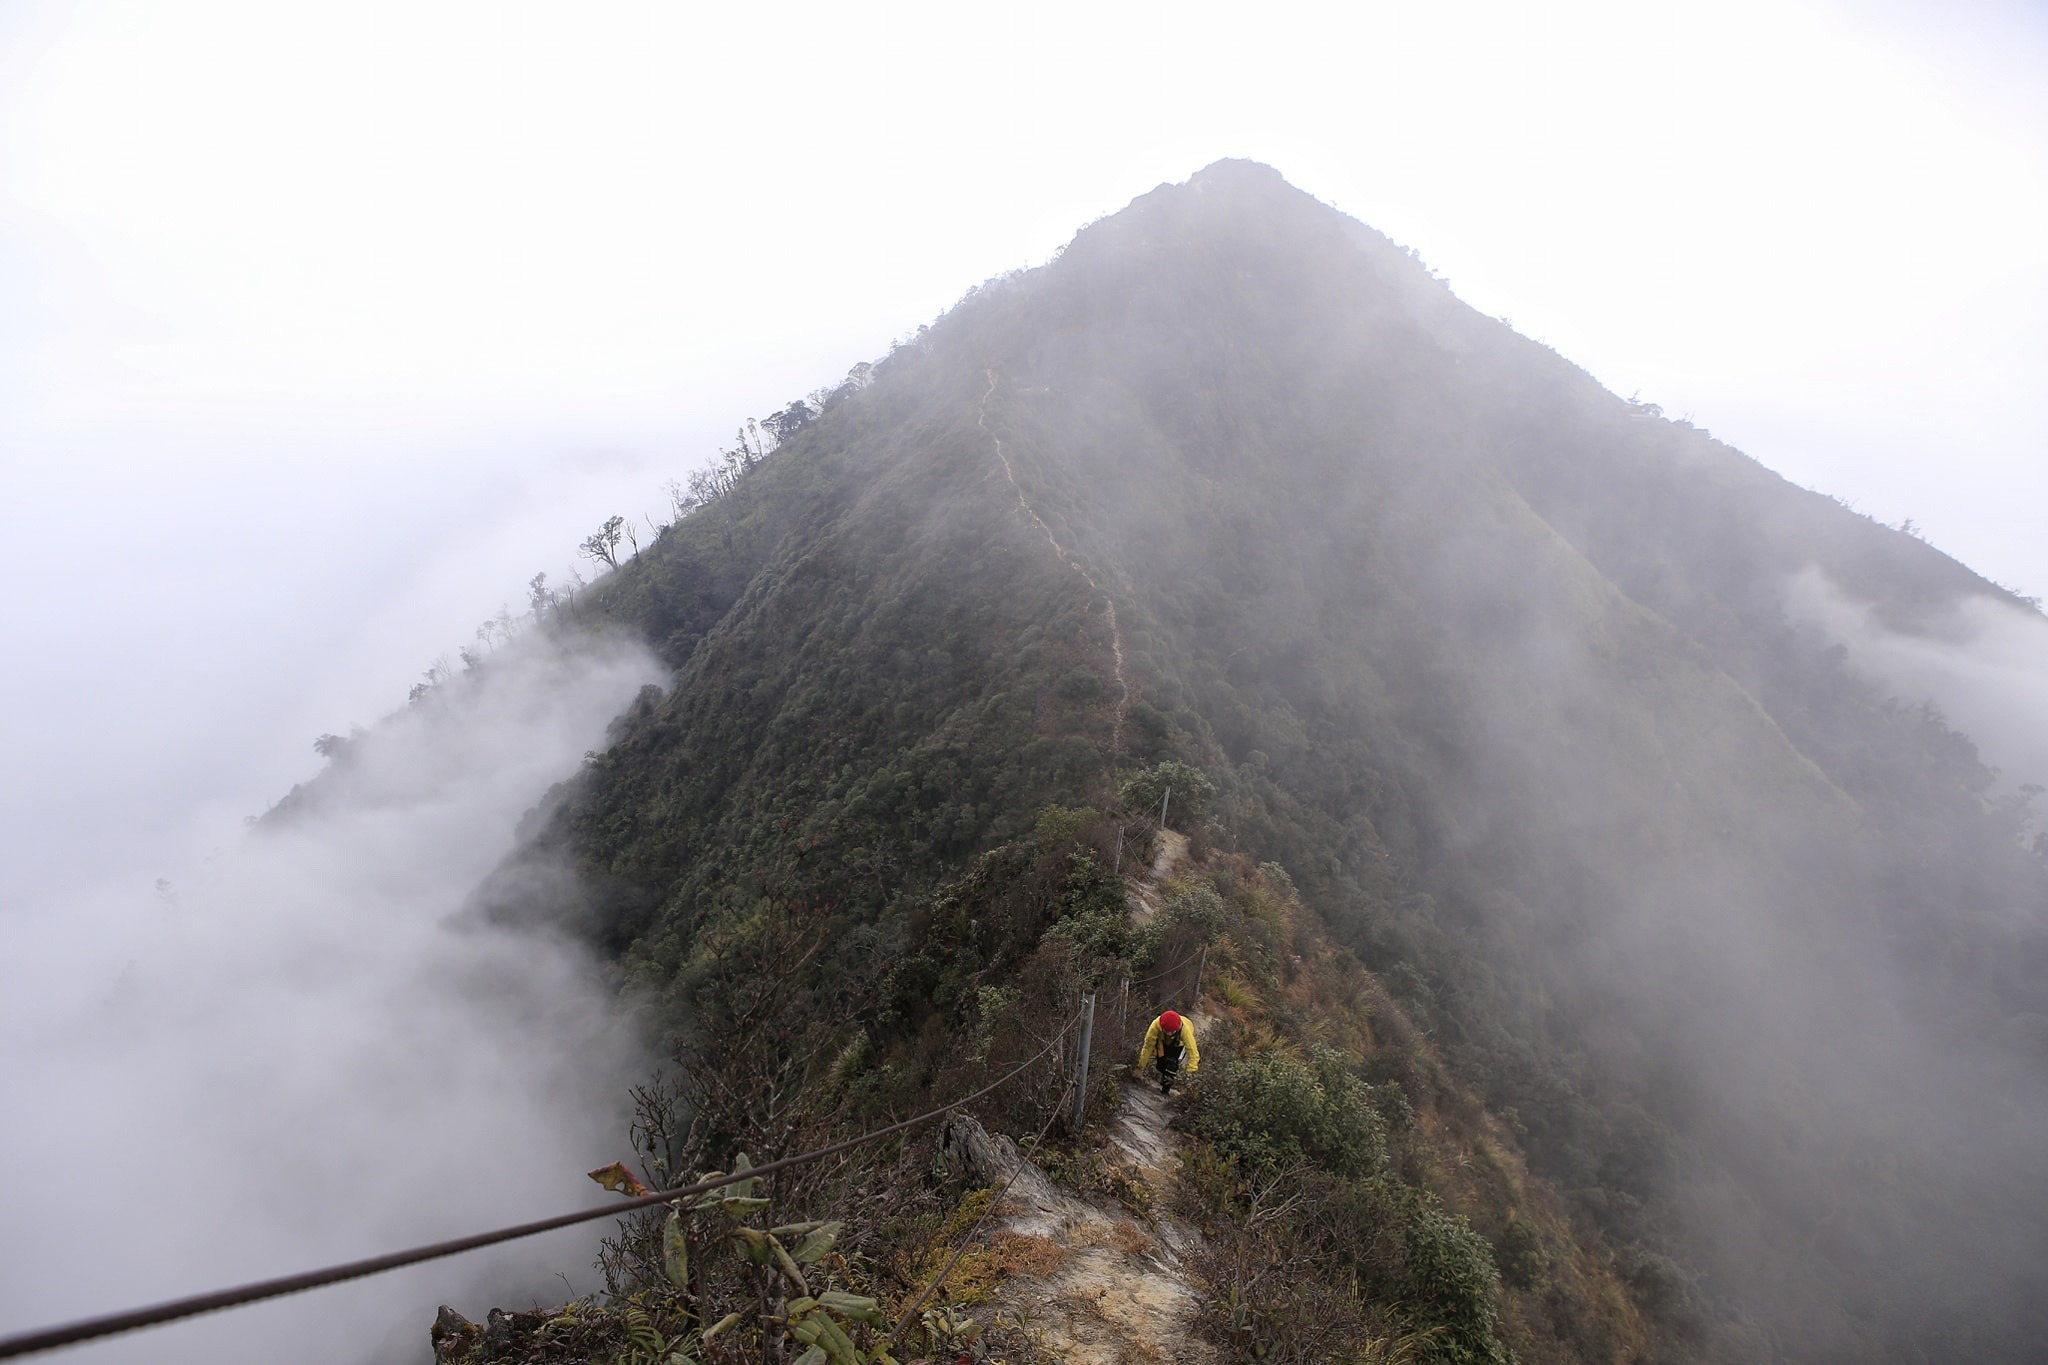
{"x": 1170, "y": 1022}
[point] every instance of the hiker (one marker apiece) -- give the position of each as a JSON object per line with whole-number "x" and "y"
{"x": 1169, "y": 1040}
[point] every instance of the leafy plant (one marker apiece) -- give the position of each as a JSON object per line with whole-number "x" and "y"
{"x": 775, "y": 1262}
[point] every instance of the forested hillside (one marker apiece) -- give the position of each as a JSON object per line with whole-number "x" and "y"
{"x": 1660, "y": 989}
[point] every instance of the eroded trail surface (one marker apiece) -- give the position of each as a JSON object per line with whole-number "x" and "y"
{"x": 1104, "y": 1281}
{"x": 1142, "y": 893}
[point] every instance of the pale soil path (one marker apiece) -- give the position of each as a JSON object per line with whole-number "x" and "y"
{"x": 1142, "y": 891}
{"x": 1110, "y": 1283}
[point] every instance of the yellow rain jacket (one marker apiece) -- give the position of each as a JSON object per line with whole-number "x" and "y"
{"x": 1155, "y": 1039}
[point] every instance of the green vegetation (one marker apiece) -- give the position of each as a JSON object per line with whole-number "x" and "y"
{"x": 711, "y": 1251}
{"x": 1273, "y": 1111}
{"x": 1356, "y": 1199}
{"x": 978, "y": 974}
{"x": 1180, "y": 791}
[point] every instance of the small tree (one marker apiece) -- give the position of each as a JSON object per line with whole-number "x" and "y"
{"x": 682, "y": 500}
{"x": 1143, "y": 793}
{"x": 602, "y": 546}
{"x": 791, "y": 420}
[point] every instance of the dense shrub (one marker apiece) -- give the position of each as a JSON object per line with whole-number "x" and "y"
{"x": 1274, "y": 1110}
{"x": 1439, "y": 1271}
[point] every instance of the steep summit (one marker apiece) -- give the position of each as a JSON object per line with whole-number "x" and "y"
{"x": 1494, "y": 664}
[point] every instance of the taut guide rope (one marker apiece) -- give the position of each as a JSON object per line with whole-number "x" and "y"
{"x": 90, "y": 1329}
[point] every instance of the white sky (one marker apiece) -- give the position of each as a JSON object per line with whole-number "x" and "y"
{"x": 323, "y": 326}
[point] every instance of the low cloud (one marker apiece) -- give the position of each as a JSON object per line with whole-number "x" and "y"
{"x": 1987, "y": 672}
{"x": 298, "y": 1051}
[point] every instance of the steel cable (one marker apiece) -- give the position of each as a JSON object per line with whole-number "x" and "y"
{"x": 1169, "y": 971}
{"x": 89, "y": 1329}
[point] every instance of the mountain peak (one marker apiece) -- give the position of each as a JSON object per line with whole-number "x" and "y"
{"x": 1235, "y": 187}
{"x": 1237, "y": 171}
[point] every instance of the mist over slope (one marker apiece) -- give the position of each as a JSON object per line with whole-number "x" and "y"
{"x": 297, "y": 1051}
{"x": 1752, "y": 957}
{"x": 1516, "y": 654}
{"x": 1984, "y": 666}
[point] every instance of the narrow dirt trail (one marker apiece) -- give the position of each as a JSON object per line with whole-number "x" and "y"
{"x": 1116, "y": 634}
{"x": 1101, "y": 1280}
{"x": 1108, "y": 1284}
{"x": 1141, "y": 893}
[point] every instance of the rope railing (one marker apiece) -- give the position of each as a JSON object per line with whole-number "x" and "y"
{"x": 1169, "y": 971}
{"x": 174, "y": 1310}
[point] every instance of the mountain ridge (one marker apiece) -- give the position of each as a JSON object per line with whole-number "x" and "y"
{"x": 1492, "y": 661}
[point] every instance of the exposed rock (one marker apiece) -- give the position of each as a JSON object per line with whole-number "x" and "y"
{"x": 455, "y": 1337}
{"x": 975, "y": 1157}
{"x": 501, "y": 1326}
{"x": 1140, "y": 1129}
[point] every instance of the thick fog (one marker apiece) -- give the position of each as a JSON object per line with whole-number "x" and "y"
{"x": 293, "y": 1049}
{"x": 1841, "y": 1082}
{"x": 1837, "y": 1033}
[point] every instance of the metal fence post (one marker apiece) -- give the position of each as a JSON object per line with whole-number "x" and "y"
{"x": 1200, "y": 968}
{"x": 1081, "y": 1077}
{"x": 1162, "y": 805}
